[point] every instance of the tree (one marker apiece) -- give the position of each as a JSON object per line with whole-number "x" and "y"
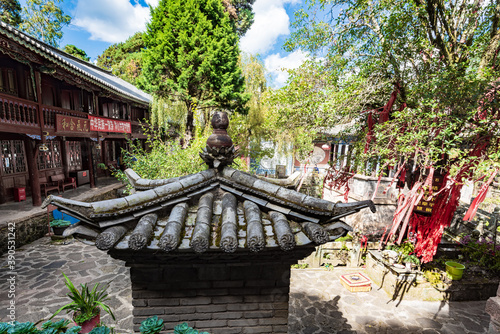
{"x": 240, "y": 11}
{"x": 192, "y": 56}
{"x": 438, "y": 57}
{"x": 125, "y": 59}
{"x": 252, "y": 126}
{"x": 44, "y": 20}
{"x": 74, "y": 51}
{"x": 10, "y": 12}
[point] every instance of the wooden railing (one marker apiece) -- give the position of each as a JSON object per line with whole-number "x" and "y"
{"x": 18, "y": 112}
{"x": 50, "y": 112}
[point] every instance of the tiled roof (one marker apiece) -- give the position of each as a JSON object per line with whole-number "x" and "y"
{"x": 79, "y": 67}
{"x": 226, "y": 210}
{"x": 219, "y": 209}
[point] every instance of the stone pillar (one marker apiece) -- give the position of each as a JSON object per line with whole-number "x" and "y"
{"x": 218, "y": 294}
{"x": 493, "y": 309}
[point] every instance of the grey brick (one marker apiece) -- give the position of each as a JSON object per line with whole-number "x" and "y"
{"x": 259, "y": 299}
{"x": 213, "y": 292}
{"x": 196, "y": 316}
{"x": 139, "y": 302}
{"x": 280, "y": 329}
{"x": 164, "y": 302}
{"x": 211, "y": 308}
{"x": 138, "y": 311}
{"x": 261, "y": 283}
{"x": 196, "y": 301}
{"x": 231, "y": 330}
{"x": 227, "y": 284}
{"x": 180, "y": 310}
{"x": 259, "y": 314}
{"x": 273, "y": 321}
{"x": 243, "y": 307}
{"x": 243, "y": 322}
{"x": 228, "y": 315}
{"x": 169, "y": 317}
{"x": 211, "y": 273}
{"x": 227, "y": 299}
{"x": 259, "y": 329}
{"x": 245, "y": 291}
{"x": 211, "y": 323}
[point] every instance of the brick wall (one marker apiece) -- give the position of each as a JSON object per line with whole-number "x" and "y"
{"x": 225, "y": 295}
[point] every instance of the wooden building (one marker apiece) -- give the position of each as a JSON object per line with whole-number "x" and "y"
{"x": 59, "y": 117}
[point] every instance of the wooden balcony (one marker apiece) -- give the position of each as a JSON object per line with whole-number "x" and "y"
{"x": 21, "y": 116}
{"x": 15, "y": 112}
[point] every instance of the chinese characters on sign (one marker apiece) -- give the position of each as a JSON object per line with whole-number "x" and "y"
{"x": 425, "y": 206}
{"x": 71, "y": 124}
{"x": 109, "y": 125}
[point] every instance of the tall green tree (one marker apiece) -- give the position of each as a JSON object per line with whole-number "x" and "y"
{"x": 10, "y": 12}
{"x": 44, "y": 20}
{"x": 125, "y": 59}
{"x": 240, "y": 11}
{"x": 74, "y": 51}
{"x": 192, "y": 56}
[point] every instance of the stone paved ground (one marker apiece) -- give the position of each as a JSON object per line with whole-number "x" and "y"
{"x": 318, "y": 302}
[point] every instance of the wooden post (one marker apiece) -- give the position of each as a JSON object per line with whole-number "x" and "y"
{"x": 90, "y": 155}
{"x": 36, "y": 193}
{"x": 38, "y": 81}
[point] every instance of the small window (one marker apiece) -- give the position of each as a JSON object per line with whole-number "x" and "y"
{"x": 75, "y": 155}
{"x": 13, "y": 157}
{"x": 51, "y": 158}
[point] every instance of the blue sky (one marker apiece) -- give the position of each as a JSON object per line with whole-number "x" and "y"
{"x": 96, "y": 24}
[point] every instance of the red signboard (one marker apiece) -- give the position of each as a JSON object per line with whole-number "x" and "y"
{"x": 71, "y": 124}
{"x": 109, "y": 125}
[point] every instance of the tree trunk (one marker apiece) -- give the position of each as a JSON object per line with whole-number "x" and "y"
{"x": 189, "y": 134}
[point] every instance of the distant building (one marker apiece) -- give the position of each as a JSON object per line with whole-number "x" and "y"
{"x": 59, "y": 116}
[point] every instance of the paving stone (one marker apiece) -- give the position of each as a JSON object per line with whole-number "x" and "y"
{"x": 318, "y": 302}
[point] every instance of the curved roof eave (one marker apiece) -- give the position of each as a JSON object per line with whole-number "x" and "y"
{"x": 83, "y": 69}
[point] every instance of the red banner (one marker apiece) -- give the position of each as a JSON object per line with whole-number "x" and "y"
{"x": 71, "y": 124}
{"x": 109, "y": 125}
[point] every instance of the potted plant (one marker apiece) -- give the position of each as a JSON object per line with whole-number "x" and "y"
{"x": 86, "y": 305}
{"x": 59, "y": 225}
{"x": 411, "y": 261}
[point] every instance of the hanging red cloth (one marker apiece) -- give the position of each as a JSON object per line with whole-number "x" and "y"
{"x": 384, "y": 114}
{"x": 479, "y": 198}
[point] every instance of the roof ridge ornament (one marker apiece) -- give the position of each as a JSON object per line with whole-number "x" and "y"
{"x": 220, "y": 151}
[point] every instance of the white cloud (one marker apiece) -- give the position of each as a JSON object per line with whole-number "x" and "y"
{"x": 277, "y": 65}
{"x": 152, "y": 3}
{"x": 271, "y": 21}
{"x": 111, "y": 21}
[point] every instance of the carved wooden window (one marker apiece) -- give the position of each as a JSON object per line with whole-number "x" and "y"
{"x": 74, "y": 155}
{"x": 8, "y": 82}
{"x": 13, "y": 157}
{"x": 29, "y": 86}
{"x": 51, "y": 158}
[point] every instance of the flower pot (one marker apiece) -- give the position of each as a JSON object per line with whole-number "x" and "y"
{"x": 58, "y": 230}
{"x": 454, "y": 270}
{"x": 88, "y": 325}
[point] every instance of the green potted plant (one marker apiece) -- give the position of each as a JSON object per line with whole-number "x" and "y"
{"x": 59, "y": 225}
{"x": 86, "y": 305}
{"x": 411, "y": 261}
